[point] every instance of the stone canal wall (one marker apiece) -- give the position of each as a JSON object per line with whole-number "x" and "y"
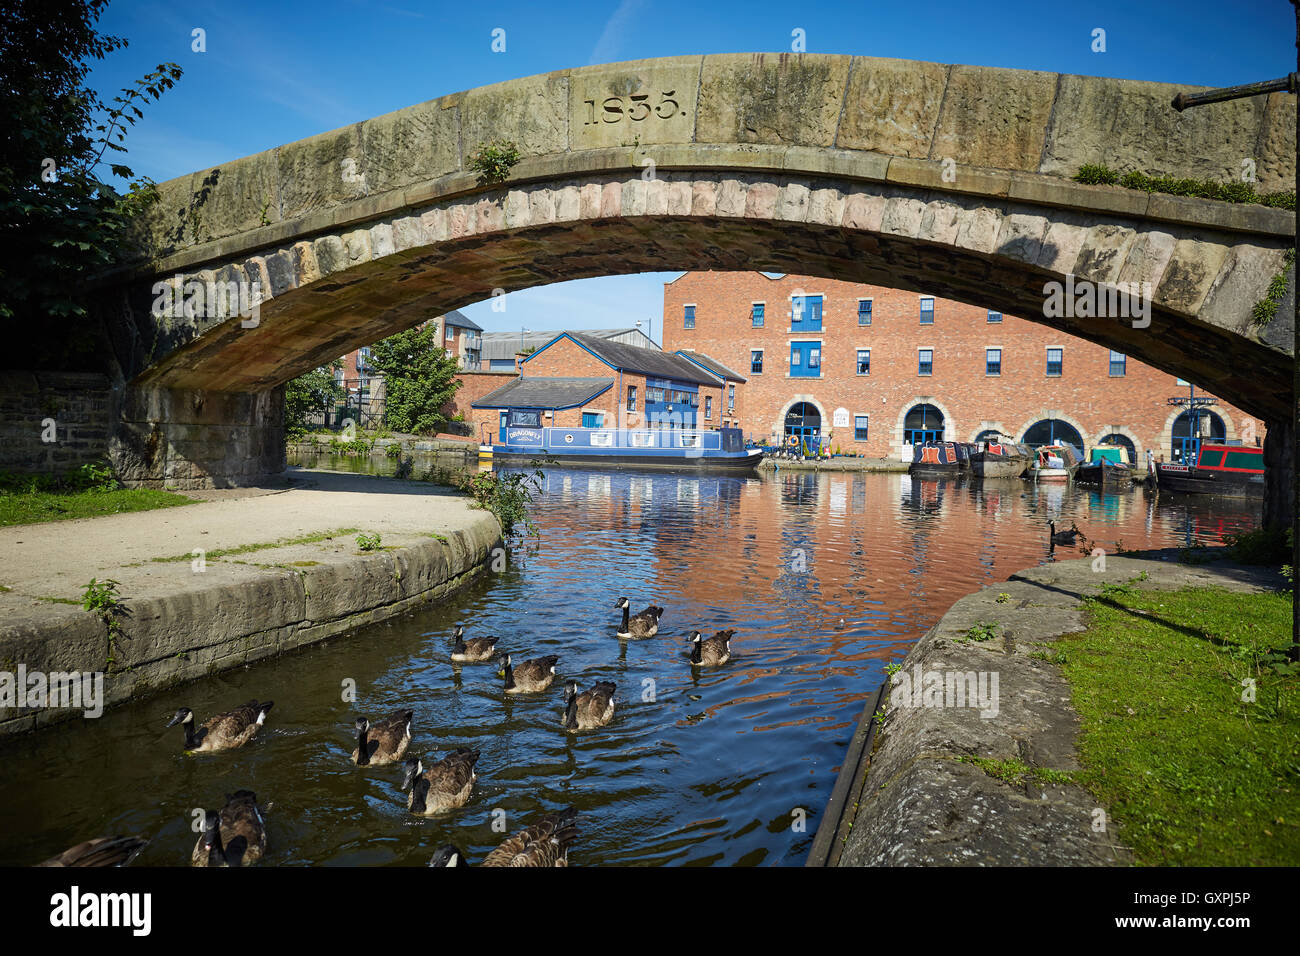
{"x": 53, "y": 422}
{"x": 919, "y": 800}
{"x": 236, "y": 615}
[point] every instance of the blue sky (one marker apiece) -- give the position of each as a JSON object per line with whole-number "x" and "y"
{"x": 277, "y": 72}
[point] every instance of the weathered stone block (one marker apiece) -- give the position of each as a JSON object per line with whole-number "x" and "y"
{"x": 771, "y": 98}
{"x": 892, "y": 106}
{"x": 409, "y": 146}
{"x": 993, "y": 117}
{"x": 642, "y": 101}
{"x": 320, "y": 172}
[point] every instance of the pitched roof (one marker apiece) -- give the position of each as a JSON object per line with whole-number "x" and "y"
{"x": 460, "y": 320}
{"x": 506, "y": 345}
{"x": 713, "y": 365}
{"x": 540, "y": 391}
{"x": 632, "y": 358}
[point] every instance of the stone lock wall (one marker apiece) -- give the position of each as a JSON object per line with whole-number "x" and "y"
{"x": 74, "y": 409}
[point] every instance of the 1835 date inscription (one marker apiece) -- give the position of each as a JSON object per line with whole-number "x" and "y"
{"x": 635, "y": 107}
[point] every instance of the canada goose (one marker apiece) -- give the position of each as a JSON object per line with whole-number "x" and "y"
{"x": 384, "y": 742}
{"x": 590, "y": 709}
{"x": 530, "y": 676}
{"x": 225, "y": 731}
{"x": 104, "y": 851}
{"x": 474, "y": 650}
{"x": 1063, "y": 537}
{"x": 234, "y": 837}
{"x": 444, "y": 786}
{"x": 710, "y": 652}
{"x": 545, "y": 843}
{"x": 645, "y": 624}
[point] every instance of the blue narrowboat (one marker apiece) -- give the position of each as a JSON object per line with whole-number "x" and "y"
{"x": 672, "y": 448}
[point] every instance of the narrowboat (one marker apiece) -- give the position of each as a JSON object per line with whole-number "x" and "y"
{"x": 1108, "y": 466}
{"x": 1000, "y": 460}
{"x": 1233, "y": 471}
{"x": 939, "y": 459}
{"x": 1054, "y": 463}
{"x": 678, "y": 449}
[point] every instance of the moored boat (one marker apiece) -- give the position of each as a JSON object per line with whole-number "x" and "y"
{"x": 1234, "y": 471}
{"x": 939, "y": 459}
{"x": 1000, "y": 460}
{"x": 679, "y": 449}
{"x": 1109, "y": 467}
{"x": 1054, "y": 463}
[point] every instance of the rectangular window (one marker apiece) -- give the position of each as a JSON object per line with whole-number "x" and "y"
{"x": 927, "y": 311}
{"x": 992, "y": 361}
{"x": 592, "y": 419}
{"x": 756, "y": 362}
{"x": 924, "y": 361}
{"x": 806, "y": 313}
{"x": 631, "y": 398}
{"x": 1243, "y": 459}
{"x": 731, "y": 399}
{"x": 1118, "y": 361}
{"x": 690, "y": 317}
{"x": 859, "y": 427}
{"x": 451, "y": 333}
{"x": 864, "y": 361}
{"x": 756, "y": 314}
{"x": 864, "y": 311}
{"x": 995, "y": 316}
{"x": 708, "y": 407}
{"x": 1054, "y": 362}
{"x": 805, "y": 359}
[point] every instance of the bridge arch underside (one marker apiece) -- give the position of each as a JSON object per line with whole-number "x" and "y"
{"x": 336, "y": 290}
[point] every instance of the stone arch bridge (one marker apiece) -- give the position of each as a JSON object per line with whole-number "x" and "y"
{"x": 954, "y": 180}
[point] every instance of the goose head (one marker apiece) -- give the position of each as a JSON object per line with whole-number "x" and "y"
{"x": 182, "y": 716}
{"x": 413, "y": 769}
{"x": 460, "y": 629}
{"x": 621, "y": 603}
{"x": 362, "y": 725}
{"x": 696, "y": 637}
{"x": 501, "y": 671}
{"x": 447, "y": 855}
{"x": 211, "y": 831}
{"x": 570, "y": 691}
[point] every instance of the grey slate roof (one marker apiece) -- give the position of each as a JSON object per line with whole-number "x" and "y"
{"x": 650, "y": 362}
{"x": 459, "y": 320}
{"x": 504, "y": 345}
{"x": 713, "y": 365}
{"x": 540, "y": 391}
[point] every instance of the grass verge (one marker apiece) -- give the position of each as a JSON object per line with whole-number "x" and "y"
{"x": 35, "y": 507}
{"x": 1194, "y": 769}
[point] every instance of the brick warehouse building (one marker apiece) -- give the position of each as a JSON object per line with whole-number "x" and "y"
{"x": 871, "y": 369}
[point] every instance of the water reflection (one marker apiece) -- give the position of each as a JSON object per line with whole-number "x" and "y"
{"x": 825, "y": 577}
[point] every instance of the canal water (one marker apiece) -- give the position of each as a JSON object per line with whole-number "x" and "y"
{"x": 826, "y": 578}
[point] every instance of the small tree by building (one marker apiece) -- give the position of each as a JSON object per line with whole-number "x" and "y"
{"x": 420, "y": 379}
{"x": 307, "y": 395}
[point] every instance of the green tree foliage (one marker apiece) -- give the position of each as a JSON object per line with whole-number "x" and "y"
{"x": 308, "y": 394}
{"x": 419, "y": 379}
{"x": 61, "y": 220}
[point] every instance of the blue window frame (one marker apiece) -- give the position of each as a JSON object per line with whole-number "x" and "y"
{"x": 924, "y": 361}
{"x": 708, "y": 407}
{"x": 756, "y": 362}
{"x": 995, "y": 316}
{"x": 592, "y": 419}
{"x": 1118, "y": 363}
{"x": 756, "y": 314}
{"x": 805, "y": 359}
{"x": 1055, "y": 361}
{"x": 690, "y": 317}
{"x": 731, "y": 399}
{"x": 631, "y": 398}
{"x": 992, "y": 361}
{"x": 864, "y": 311}
{"x": 927, "y": 311}
{"x": 859, "y": 427}
{"x": 864, "y": 361}
{"x": 806, "y": 313}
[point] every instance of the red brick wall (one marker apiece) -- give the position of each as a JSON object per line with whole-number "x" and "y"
{"x": 1084, "y": 395}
